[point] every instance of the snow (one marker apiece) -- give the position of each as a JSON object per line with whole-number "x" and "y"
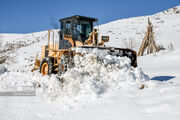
{"x": 100, "y": 86}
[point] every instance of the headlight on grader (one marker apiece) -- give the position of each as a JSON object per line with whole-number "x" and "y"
{"x": 104, "y": 39}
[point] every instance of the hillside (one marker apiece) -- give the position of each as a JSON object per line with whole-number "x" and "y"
{"x": 113, "y": 93}
{"x": 123, "y": 32}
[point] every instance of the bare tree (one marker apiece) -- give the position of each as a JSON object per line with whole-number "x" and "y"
{"x": 130, "y": 43}
{"x": 148, "y": 41}
{"x": 170, "y": 47}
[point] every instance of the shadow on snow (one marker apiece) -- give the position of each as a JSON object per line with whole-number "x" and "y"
{"x": 162, "y": 78}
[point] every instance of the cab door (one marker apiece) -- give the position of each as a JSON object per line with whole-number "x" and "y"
{"x": 66, "y": 28}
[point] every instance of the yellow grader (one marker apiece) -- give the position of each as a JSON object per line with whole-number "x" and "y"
{"x": 75, "y": 31}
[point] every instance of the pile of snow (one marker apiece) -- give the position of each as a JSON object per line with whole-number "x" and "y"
{"x": 95, "y": 74}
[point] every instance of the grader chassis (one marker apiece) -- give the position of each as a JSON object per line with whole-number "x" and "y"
{"x": 75, "y": 31}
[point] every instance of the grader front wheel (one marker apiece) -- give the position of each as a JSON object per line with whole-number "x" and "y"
{"x": 44, "y": 69}
{"x": 46, "y": 66}
{"x": 63, "y": 65}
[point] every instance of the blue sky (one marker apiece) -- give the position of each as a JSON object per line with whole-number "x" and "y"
{"x": 25, "y": 16}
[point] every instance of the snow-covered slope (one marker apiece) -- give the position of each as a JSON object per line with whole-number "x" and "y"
{"x": 95, "y": 91}
{"x": 174, "y": 10}
{"x": 126, "y": 31}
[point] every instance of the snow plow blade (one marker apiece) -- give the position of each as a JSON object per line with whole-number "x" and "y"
{"x": 119, "y": 52}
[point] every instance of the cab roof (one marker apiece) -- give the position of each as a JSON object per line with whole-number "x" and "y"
{"x": 79, "y": 17}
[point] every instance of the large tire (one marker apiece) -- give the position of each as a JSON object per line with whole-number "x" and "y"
{"x": 63, "y": 65}
{"x": 71, "y": 60}
{"x": 46, "y": 66}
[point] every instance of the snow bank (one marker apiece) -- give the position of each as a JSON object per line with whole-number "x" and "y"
{"x": 95, "y": 74}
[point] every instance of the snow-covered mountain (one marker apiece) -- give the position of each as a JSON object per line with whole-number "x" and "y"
{"x": 174, "y": 10}
{"x": 110, "y": 94}
{"x": 131, "y": 30}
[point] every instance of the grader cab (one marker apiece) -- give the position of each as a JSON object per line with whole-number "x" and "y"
{"x": 75, "y": 31}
